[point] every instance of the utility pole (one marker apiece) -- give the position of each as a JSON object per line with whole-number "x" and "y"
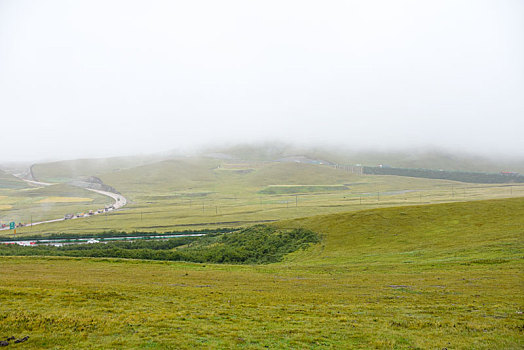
{"x": 296, "y": 201}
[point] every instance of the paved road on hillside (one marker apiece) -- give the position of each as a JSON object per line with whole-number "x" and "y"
{"x": 120, "y": 201}
{"x": 38, "y": 183}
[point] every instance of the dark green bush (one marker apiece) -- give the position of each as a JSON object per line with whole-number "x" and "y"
{"x": 258, "y": 244}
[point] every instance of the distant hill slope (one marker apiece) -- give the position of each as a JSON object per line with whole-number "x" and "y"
{"x": 209, "y": 174}
{"x": 64, "y": 171}
{"x": 164, "y": 176}
{"x": 10, "y": 181}
{"x": 462, "y": 176}
{"x": 438, "y": 160}
{"x": 428, "y": 159}
{"x": 298, "y": 174}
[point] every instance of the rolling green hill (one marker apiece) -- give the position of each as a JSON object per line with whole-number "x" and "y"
{"x": 447, "y": 233}
{"x": 213, "y": 174}
{"x": 164, "y": 176}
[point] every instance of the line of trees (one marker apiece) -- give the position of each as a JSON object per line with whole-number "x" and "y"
{"x": 470, "y": 177}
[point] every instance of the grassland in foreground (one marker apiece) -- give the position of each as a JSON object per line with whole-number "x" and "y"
{"x": 430, "y": 276}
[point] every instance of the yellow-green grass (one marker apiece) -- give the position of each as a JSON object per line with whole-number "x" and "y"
{"x": 65, "y": 200}
{"x": 298, "y": 189}
{"x": 431, "y": 276}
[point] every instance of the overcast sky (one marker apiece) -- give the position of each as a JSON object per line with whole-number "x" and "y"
{"x": 95, "y": 78}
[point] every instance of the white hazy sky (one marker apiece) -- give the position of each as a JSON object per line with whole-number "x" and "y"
{"x": 108, "y": 77}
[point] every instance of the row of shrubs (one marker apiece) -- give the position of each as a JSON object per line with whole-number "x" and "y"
{"x": 258, "y": 244}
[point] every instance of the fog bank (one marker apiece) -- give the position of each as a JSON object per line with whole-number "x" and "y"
{"x": 98, "y": 78}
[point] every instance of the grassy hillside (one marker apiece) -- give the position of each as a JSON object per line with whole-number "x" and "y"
{"x": 438, "y": 160}
{"x": 8, "y": 181}
{"x": 418, "y": 277}
{"x": 298, "y": 174}
{"x": 163, "y": 177}
{"x": 458, "y": 231}
{"x": 216, "y": 175}
{"x": 63, "y": 171}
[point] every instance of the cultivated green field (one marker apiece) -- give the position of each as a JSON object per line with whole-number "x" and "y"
{"x": 415, "y": 277}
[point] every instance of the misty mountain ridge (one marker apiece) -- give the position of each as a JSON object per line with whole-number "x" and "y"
{"x": 67, "y": 170}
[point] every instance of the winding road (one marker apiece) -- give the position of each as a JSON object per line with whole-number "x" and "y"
{"x": 120, "y": 201}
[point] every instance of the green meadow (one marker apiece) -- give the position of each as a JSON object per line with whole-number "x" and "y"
{"x": 413, "y": 277}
